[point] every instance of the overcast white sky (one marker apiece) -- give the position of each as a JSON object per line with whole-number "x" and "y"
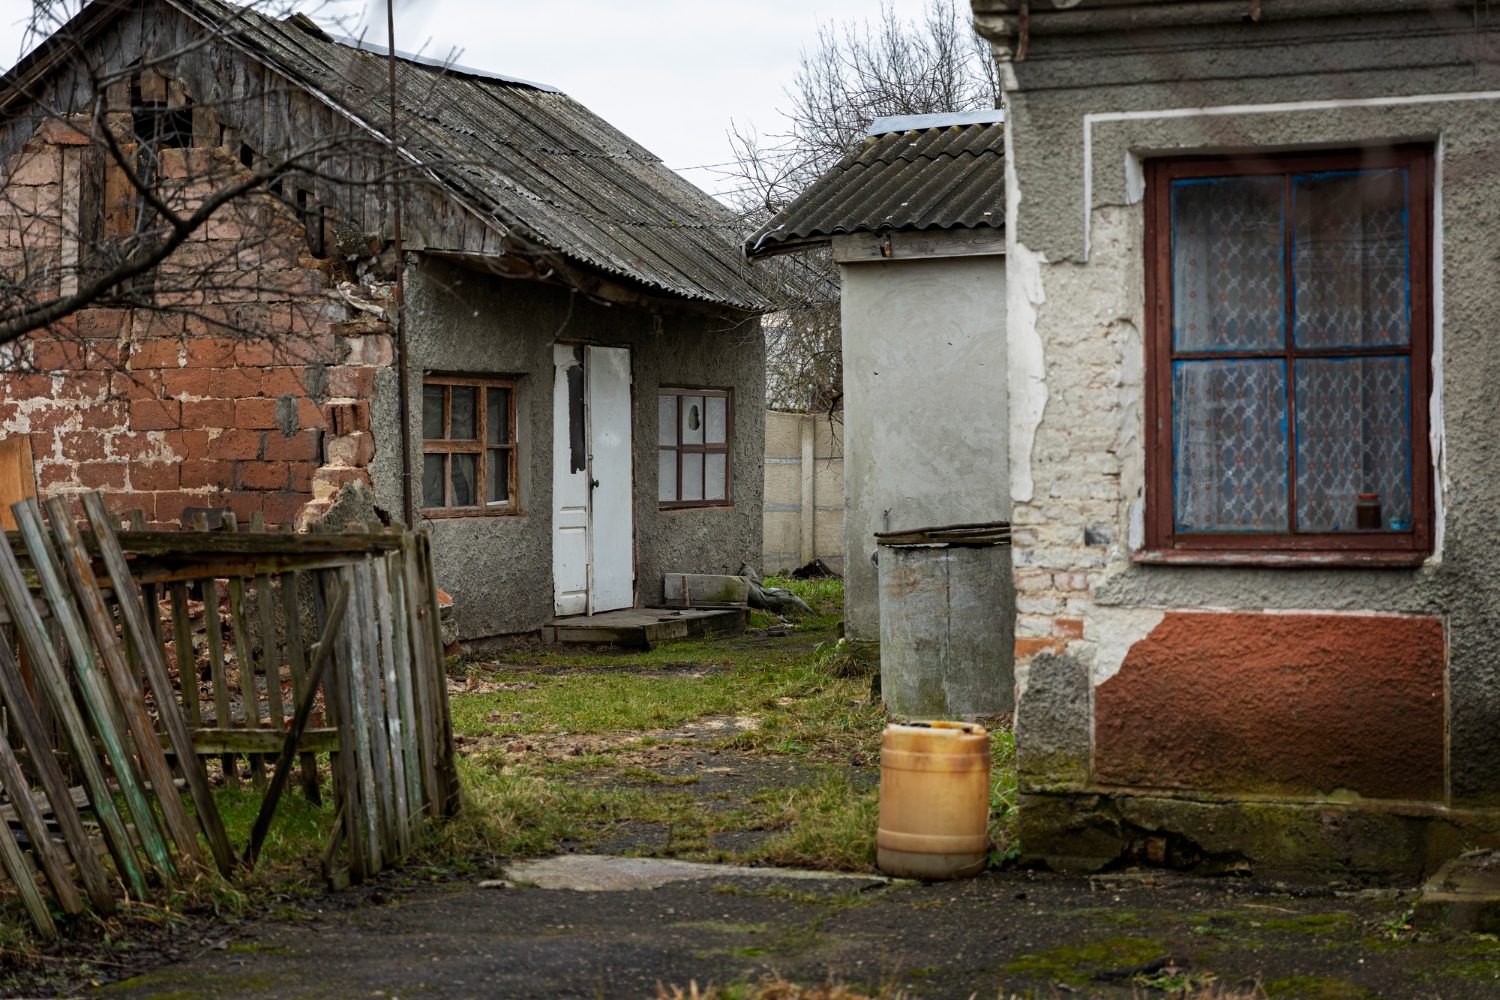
{"x": 669, "y": 73}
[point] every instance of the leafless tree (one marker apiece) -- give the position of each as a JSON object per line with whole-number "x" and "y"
{"x": 855, "y": 73}
{"x": 136, "y": 181}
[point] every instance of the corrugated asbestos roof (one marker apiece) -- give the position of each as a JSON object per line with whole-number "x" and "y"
{"x": 940, "y": 177}
{"x": 543, "y": 165}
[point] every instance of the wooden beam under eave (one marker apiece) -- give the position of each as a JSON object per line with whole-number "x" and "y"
{"x": 853, "y": 248}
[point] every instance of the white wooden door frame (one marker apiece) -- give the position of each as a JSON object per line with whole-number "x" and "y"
{"x": 593, "y": 489}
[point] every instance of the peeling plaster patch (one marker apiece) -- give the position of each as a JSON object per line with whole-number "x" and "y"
{"x": 1027, "y": 374}
{"x": 1118, "y": 629}
{"x": 1135, "y": 179}
{"x": 1436, "y": 429}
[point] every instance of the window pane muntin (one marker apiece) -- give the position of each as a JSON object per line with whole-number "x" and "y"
{"x": 666, "y": 419}
{"x": 1341, "y": 455}
{"x": 1228, "y": 263}
{"x": 1331, "y": 308}
{"x": 715, "y": 475}
{"x": 692, "y": 419}
{"x": 432, "y": 480}
{"x": 666, "y": 475}
{"x": 432, "y": 411}
{"x": 472, "y": 478}
{"x": 497, "y": 415}
{"x": 692, "y": 475}
{"x": 1229, "y": 431}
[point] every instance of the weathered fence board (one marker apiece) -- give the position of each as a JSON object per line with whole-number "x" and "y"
{"x": 114, "y": 688}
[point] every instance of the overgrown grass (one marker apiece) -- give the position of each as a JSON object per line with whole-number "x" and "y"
{"x": 807, "y": 708}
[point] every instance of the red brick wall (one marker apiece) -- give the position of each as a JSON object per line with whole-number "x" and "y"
{"x": 250, "y": 394}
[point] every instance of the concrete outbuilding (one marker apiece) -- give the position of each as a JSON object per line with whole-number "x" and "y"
{"x": 1249, "y": 249}
{"x": 914, "y": 217}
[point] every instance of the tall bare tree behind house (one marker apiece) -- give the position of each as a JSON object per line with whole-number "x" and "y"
{"x": 855, "y": 73}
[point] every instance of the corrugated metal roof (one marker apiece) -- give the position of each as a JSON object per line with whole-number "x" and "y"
{"x": 547, "y": 167}
{"x": 939, "y": 177}
{"x": 906, "y": 123}
{"x": 542, "y": 165}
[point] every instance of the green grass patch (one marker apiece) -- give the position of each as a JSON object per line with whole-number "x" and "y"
{"x": 1076, "y": 965}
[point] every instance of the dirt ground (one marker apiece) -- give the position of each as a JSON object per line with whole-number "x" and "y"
{"x": 1014, "y": 933}
{"x": 1004, "y": 934}
{"x": 1008, "y": 933}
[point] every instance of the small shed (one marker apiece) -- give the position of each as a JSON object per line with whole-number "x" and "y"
{"x": 914, "y": 218}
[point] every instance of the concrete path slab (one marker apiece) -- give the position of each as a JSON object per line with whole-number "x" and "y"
{"x": 604, "y": 873}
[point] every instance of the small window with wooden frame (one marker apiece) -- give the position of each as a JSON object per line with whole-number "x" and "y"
{"x": 468, "y": 446}
{"x": 693, "y": 435}
{"x": 1289, "y": 305}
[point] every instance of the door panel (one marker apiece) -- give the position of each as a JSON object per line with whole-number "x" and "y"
{"x": 570, "y": 485}
{"x": 612, "y": 521}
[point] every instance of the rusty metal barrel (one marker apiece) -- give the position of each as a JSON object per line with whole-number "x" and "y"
{"x": 934, "y": 800}
{"x": 947, "y": 621}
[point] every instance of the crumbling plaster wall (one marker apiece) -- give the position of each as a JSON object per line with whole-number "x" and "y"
{"x": 499, "y": 569}
{"x": 924, "y": 387}
{"x": 1082, "y": 111}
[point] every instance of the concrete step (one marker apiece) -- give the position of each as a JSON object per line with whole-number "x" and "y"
{"x": 643, "y": 628}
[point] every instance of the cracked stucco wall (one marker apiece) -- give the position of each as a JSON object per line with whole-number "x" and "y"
{"x": 1082, "y": 112}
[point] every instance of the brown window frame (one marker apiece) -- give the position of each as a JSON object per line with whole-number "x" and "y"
{"x": 1162, "y": 542}
{"x": 479, "y": 446}
{"x": 704, "y": 449}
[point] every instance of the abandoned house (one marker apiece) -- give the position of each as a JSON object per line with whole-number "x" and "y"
{"x": 1252, "y": 429}
{"x": 583, "y": 366}
{"x": 914, "y": 218}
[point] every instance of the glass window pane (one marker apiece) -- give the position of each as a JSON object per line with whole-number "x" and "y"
{"x": 692, "y": 476}
{"x": 1350, "y": 259}
{"x": 432, "y": 412}
{"x": 715, "y": 467}
{"x": 497, "y": 490}
{"x": 1353, "y": 444}
{"x": 692, "y": 419}
{"x": 1229, "y": 440}
{"x": 717, "y": 425}
{"x": 462, "y": 418}
{"x": 432, "y": 480}
{"x": 666, "y": 475}
{"x": 465, "y": 473}
{"x": 666, "y": 419}
{"x": 1227, "y": 272}
{"x": 497, "y": 416}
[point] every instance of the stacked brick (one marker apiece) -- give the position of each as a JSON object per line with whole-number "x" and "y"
{"x": 248, "y": 392}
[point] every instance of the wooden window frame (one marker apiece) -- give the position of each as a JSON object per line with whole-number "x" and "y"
{"x": 704, "y": 449}
{"x": 479, "y": 446}
{"x": 1162, "y": 542}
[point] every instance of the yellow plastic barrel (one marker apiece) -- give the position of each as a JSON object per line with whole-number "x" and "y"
{"x": 934, "y": 800}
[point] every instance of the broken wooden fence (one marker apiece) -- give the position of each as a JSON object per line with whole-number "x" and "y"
{"x": 314, "y": 647}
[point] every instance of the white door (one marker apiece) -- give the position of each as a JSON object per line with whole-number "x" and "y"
{"x": 593, "y": 537}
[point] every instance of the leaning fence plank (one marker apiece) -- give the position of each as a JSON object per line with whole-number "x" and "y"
{"x": 240, "y": 623}
{"x": 132, "y": 702}
{"x": 358, "y": 723}
{"x": 223, "y": 717}
{"x": 96, "y": 698}
{"x": 20, "y": 874}
{"x": 138, "y": 629}
{"x": 297, "y": 664}
{"x": 412, "y": 758}
{"x": 270, "y": 651}
{"x": 294, "y": 734}
{"x": 421, "y": 650}
{"x": 34, "y": 737}
{"x": 53, "y": 865}
{"x": 395, "y": 731}
{"x": 52, "y": 679}
{"x": 448, "y": 769}
{"x": 345, "y": 763}
{"x": 380, "y": 749}
{"x": 187, "y": 659}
